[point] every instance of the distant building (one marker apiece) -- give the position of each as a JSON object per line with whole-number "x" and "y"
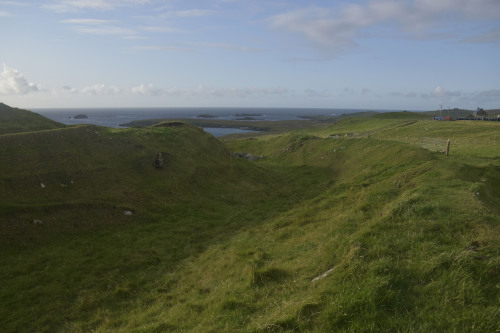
{"x": 480, "y": 113}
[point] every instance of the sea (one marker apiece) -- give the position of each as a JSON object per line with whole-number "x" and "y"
{"x": 117, "y": 117}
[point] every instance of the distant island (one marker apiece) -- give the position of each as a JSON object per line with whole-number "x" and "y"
{"x": 246, "y": 118}
{"x": 248, "y": 115}
{"x": 204, "y": 115}
{"x": 80, "y": 116}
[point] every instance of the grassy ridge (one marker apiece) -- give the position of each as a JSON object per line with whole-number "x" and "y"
{"x": 323, "y": 234}
{"x": 264, "y": 127}
{"x": 89, "y": 168}
{"x": 14, "y": 120}
{"x": 469, "y": 139}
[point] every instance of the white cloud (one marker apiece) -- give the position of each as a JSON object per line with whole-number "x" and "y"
{"x": 463, "y": 99}
{"x": 62, "y": 6}
{"x": 100, "y": 27}
{"x": 492, "y": 93}
{"x": 441, "y": 92}
{"x": 194, "y": 46}
{"x": 162, "y": 48}
{"x": 4, "y": 13}
{"x": 482, "y": 9}
{"x": 148, "y": 90}
{"x": 13, "y": 3}
{"x": 491, "y": 36}
{"x": 160, "y": 29}
{"x": 106, "y": 30}
{"x": 14, "y": 83}
{"x": 408, "y": 95}
{"x": 313, "y": 93}
{"x": 336, "y": 28}
{"x": 315, "y": 25}
{"x": 253, "y": 91}
{"x": 69, "y": 89}
{"x": 101, "y": 89}
{"x": 232, "y": 47}
{"x": 202, "y": 91}
{"x": 438, "y": 92}
{"x": 188, "y": 13}
{"x": 88, "y": 21}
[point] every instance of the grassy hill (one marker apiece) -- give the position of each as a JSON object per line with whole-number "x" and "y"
{"x": 364, "y": 232}
{"x": 13, "y": 120}
{"x": 264, "y": 126}
{"x": 460, "y": 113}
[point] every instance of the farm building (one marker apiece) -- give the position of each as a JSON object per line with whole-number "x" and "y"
{"x": 480, "y": 113}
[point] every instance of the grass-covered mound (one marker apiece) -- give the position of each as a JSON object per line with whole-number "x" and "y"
{"x": 13, "y": 120}
{"x": 342, "y": 233}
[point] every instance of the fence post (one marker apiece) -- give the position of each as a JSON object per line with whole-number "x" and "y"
{"x": 447, "y": 147}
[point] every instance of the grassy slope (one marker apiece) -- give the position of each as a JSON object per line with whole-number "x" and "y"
{"x": 88, "y": 259}
{"x": 412, "y": 239}
{"x": 408, "y": 239}
{"x": 14, "y": 120}
{"x": 468, "y": 138}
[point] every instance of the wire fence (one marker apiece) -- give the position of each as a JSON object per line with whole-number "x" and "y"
{"x": 439, "y": 145}
{"x": 433, "y": 144}
{"x": 455, "y": 141}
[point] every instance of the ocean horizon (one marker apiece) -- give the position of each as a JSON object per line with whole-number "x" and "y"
{"x": 116, "y": 117}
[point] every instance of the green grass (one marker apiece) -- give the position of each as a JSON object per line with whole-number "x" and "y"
{"x": 14, "y": 120}
{"x": 322, "y": 234}
{"x": 469, "y": 139}
{"x": 263, "y": 127}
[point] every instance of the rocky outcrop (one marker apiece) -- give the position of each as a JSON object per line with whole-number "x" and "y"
{"x": 248, "y": 156}
{"x": 159, "y": 162}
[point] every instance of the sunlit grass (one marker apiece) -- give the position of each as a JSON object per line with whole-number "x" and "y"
{"x": 322, "y": 234}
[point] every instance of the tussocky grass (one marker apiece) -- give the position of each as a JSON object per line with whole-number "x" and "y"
{"x": 322, "y": 234}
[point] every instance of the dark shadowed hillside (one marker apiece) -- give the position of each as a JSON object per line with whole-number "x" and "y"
{"x": 13, "y": 120}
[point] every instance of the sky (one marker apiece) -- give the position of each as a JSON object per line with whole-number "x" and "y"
{"x": 375, "y": 54}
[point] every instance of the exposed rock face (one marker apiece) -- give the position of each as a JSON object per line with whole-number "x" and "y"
{"x": 248, "y": 156}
